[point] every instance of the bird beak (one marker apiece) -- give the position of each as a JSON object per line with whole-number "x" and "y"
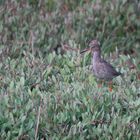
{"x": 85, "y": 50}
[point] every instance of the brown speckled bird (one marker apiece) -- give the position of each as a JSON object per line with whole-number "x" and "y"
{"x": 102, "y": 69}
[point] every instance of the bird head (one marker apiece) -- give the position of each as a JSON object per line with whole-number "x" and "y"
{"x": 94, "y": 45}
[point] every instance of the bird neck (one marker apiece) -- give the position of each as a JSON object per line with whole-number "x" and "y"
{"x": 96, "y": 56}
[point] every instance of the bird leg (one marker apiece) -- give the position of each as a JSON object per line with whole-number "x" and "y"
{"x": 100, "y": 84}
{"x": 110, "y": 86}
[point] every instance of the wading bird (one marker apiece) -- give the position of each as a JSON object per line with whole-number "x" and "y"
{"x": 102, "y": 69}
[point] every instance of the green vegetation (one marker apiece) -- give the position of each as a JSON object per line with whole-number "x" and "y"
{"x": 46, "y": 95}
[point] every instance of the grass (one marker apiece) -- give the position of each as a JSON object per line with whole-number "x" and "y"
{"x": 48, "y": 95}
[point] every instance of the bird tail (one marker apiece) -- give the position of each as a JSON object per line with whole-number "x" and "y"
{"x": 119, "y": 74}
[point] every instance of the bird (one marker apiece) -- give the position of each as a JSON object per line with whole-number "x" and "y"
{"x": 101, "y": 68}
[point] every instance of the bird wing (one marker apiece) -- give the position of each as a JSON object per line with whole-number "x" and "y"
{"x": 109, "y": 68}
{"x": 106, "y": 70}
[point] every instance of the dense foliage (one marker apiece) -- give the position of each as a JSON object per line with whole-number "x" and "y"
{"x": 49, "y": 93}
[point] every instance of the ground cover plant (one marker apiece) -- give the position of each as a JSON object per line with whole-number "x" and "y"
{"x": 47, "y": 88}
